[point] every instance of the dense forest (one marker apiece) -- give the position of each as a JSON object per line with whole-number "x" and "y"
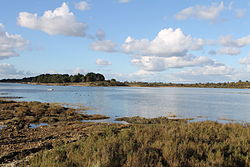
{"x": 60, "y": 78}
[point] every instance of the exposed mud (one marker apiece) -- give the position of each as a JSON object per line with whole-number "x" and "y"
{"x": 18, "y": 140}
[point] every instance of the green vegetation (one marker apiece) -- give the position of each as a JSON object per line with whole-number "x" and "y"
{"x": 141, "y": 120}
{"x": 160, "y": 143}
{"x": 60, "y": 78}
{"x": 93, "y": 79}
{"x": 239, "y": 84}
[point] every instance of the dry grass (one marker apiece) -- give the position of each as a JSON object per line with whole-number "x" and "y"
{"x": 157, "y": 144}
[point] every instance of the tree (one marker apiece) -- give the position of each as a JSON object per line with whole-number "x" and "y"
{"x": 76, "y": 78}
{"x": 100, "y": 77}
{"x": 90, "y": 77}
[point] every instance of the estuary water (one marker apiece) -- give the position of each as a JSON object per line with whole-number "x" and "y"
{"x": 200, "y": 103}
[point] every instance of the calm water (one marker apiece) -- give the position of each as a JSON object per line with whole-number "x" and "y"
{"x": 210, "y": 104}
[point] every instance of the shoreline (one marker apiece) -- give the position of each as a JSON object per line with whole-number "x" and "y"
{"x": 22, "y": 145}
{"x": 99, "y": 84}
{"x": 31, "y": 127}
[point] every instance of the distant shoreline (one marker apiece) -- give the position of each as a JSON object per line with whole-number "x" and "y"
{"x": 156, "y": 85}
{"x": 97, "y": 79}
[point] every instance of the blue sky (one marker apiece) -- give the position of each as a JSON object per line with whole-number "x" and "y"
{"x": 133, "y": 40}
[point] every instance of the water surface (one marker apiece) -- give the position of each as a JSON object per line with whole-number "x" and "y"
{"x": 206, "y": 103}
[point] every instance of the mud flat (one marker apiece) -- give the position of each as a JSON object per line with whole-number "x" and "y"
{"x": 18, "y": 139}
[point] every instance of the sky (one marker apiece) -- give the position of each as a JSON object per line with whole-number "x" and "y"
{"x": 184, "y": 41}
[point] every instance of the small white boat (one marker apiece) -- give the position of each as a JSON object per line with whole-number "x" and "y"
{"x": 50, "y": 89}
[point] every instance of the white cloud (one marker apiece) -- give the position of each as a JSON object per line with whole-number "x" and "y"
{"x": 124, "y": 1}
{"x": 216, "y": 72}
{"x": 149, "y": 63}
{"x": 102, "y": 62}
{"x": 167, "y": 43}
{"x": 9, "y": 71}
{"x": 83, "y": 5}
{"x": 229, "y": 42}
{"x": 246, "y": 61}
{"x": 105, "y": 46}
{"x": 60, "y": 21}
{"x": 169, "y": 49}
{"x": 201, "y": 12}
{"x": 229, "y": 51}
{"x": 9, "y": 44}
{"x": 209, "y": 73}
{"x": 140, "y": 75}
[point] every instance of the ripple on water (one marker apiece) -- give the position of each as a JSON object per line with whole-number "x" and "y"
{"x": 2, "y": 126}
{"x": 37, "y": 125}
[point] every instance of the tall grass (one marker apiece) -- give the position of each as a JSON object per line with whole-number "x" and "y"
{"x": 175, "y": 144}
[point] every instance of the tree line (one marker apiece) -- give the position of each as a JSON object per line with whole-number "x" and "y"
{"x": 60, "y": 78}
{"x": 96, "y": 79}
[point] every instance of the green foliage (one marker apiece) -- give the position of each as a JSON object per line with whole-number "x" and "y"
{"x": 51, "y": 78}
{"x": 173, "y": 143}
{"x": 92, "y": 77}
{"x": 77, "y": 78}
{"x": 60, "y": 78}
{"x": 239, "y": 84}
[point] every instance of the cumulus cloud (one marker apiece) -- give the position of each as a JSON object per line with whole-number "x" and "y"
{"x": 101, "y": 44}
{"x": 105, "y": 46}
{"x": 167, "y": 43}
{"x": 102, "y": 62}
{"x": 59, "y": 21}
{"x": 210, "y": 73}
{"x": 201, "y": 12}
{"x": 216, "y": 72}
{"x": 83, "y": 5}
{"x": 149, "y": 63}
{"x": 230, "y": 42}
{"x": 169, "y": 49}
{"x": 9, "y": 44}
{"x": 139, "y": 75}
{"x": 229, "y": 51}
{"x": 9, "y": 71}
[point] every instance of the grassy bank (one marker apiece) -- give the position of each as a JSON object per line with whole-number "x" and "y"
{"x": 157, "y": 143}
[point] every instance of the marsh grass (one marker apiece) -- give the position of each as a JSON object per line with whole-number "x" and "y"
{"x": 157, "y": 144}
